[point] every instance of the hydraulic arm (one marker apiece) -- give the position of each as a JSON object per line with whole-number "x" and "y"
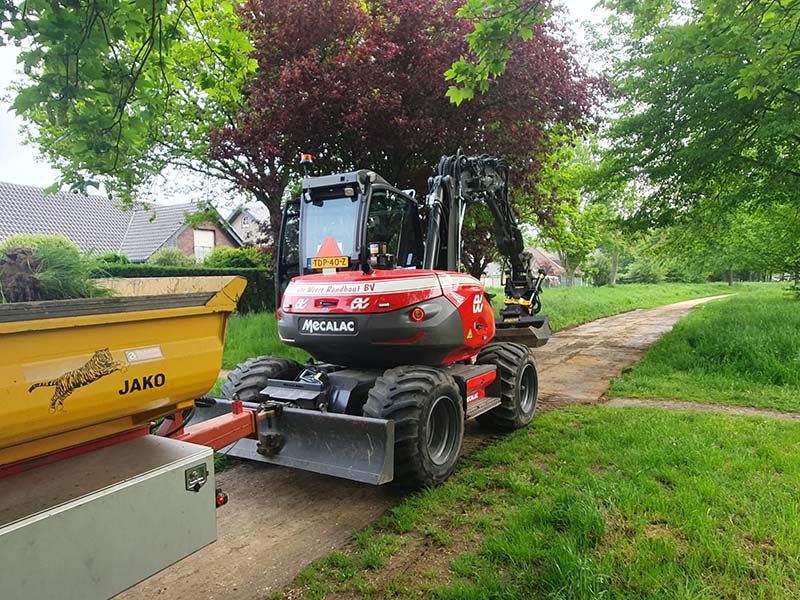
{"x": 464, "y": 180}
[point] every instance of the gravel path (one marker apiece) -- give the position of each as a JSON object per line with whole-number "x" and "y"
{"x": 744, "y": 411}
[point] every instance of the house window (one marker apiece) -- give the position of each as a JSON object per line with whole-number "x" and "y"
{"x": 203, "y": 243}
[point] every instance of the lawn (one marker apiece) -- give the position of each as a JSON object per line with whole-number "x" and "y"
{"x": 593, "y": 502}
{"x": 256, "y": 335}
{"x": 743, "y": 350}
{"x": 572, "y": 306}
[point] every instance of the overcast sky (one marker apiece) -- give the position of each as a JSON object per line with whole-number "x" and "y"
{"x": 19, "y": 163}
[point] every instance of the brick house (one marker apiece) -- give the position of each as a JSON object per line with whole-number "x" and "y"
{"x": 99, "y": 224}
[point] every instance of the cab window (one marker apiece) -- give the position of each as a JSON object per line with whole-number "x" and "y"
{"x": 329, "y": 226}
{"x": 393, "y": 230}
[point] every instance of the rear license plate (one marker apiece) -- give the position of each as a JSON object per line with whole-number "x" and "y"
{"x": 329, "y": 262}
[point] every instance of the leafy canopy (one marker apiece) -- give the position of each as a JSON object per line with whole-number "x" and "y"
{"x": 113, "y": 92}
{"x": 710, "y": 92}
{"x": 497, "y": 26}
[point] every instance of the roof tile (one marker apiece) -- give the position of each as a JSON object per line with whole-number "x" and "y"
{"x": 95, "y": 223}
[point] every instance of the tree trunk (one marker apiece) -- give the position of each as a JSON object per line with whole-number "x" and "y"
{"x": 475, "y": 266}
{"x": 271, "y": 230}
{"x": 612, "y": 276}
{"x": 570, "y": 270}
{"x": 730, "y": 276}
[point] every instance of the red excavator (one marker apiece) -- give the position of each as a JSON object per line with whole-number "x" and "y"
{"x": 405, "y": 347}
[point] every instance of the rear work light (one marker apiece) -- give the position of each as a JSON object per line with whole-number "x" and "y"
{"x": 417, "y": 314}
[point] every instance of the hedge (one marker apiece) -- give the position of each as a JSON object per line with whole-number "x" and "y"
{"x": 258, "y": 296}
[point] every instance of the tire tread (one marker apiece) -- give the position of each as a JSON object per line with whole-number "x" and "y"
{"x": 399, "y": 395}
{"x": 506, "y": 356}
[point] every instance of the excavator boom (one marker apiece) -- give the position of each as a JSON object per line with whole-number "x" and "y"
{"x": 463, "y": 180}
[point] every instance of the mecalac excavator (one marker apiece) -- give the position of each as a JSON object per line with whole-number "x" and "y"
{"x": 405, "y": 347}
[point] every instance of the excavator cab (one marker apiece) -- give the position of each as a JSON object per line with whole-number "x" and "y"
{"x": 348, "y": 221}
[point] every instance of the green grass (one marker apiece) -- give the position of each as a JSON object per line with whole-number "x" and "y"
{"x": 567, "y": 307}
{"x": 256, "y": 334}
{"x": 743, "y": 350}
{"x": 593, "y": 503}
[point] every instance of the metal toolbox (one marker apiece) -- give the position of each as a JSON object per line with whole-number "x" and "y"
{"x": 91, "y": 526}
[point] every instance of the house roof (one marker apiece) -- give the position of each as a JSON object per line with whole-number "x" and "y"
{"x": 257, "y": 211}
{"x": 94, "y": 223}
{"x": 91, "y": 222}
{"x": 148, "y": 230}
{"x": 548, "y": 261}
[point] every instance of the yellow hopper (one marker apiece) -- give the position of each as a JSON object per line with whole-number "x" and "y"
{"x": 76, "y": 371}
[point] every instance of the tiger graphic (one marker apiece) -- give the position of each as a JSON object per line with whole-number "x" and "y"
{"x": 97, "y": 367}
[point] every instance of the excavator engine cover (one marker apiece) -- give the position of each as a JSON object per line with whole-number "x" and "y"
{"x": 387, "y": 318}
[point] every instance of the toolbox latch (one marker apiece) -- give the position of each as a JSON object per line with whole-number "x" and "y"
{"x": 196, "y": 477}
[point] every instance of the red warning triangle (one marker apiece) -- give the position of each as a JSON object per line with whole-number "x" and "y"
{"x": 329, "y": 248}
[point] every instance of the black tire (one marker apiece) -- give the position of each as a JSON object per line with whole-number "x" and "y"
{"x": 519, "y": 385}
{"x": 250, "y": 377}
{"x": 428, "y": 415}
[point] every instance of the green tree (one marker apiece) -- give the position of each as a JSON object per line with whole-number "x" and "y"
{"x": 710, "y": 92}
{"x": 573, "y": 226}
{"x": 753, "y": 240}
{"x": 114, "y": 92}
{"x": 497, "y": 26}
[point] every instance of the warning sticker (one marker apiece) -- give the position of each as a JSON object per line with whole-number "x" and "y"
{"x": 144, "y": 354}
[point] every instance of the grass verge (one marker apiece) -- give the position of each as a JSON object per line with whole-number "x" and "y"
{"x": 742, "y": 351}
{"x": 572, "y": 306}
{"x": 592, "y": 503}
{"x": 256, "y": 334}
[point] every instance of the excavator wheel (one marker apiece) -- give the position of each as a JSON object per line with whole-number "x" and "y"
{"x": 519, "y": 385}
{"x": 428, "y": 415}
{"x": 250, "y": 377}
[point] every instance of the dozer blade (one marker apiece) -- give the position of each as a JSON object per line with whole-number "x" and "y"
{"x": 530, "y": 331}
{"x": 347, "y": 446}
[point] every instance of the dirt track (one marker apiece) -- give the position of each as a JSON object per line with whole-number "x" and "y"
{"x": 280, "y": 520}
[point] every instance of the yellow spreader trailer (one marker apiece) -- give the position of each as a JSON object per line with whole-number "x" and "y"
{"x": 90, "y": 504}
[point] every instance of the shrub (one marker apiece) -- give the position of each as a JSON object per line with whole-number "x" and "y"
{"x": 39, "y": 241}
{"x": 244, "y": 258}
{"x": 42, "y": 267}
{"x": 643, "y": 270}
{"x": 112, "y": 258}
{"x": 171, "y": 257}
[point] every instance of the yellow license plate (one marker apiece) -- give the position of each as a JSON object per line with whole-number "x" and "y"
{"x": 329, "y": 262}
